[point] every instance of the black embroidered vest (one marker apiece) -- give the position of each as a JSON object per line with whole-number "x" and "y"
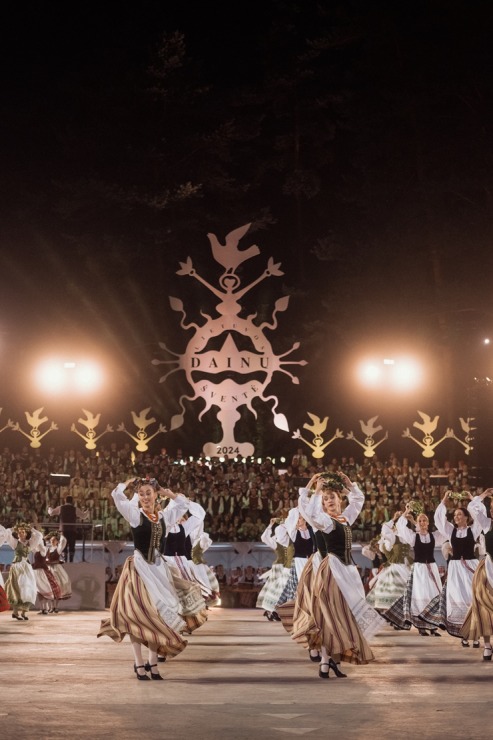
{"x": 424, "y": 552}
{"x": 303, "y": 548}
{"x": 488, "y": 542}
{"x": 462, "y": 547}
{"x": 338, "y": 542}
{"x": 176, "y": 543}
{"x": 149, "y": 536}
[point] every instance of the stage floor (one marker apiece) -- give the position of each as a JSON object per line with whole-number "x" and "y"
{"x": 241, "y": 677}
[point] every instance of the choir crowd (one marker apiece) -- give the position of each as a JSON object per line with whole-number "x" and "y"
{"x": 239, "y": 497}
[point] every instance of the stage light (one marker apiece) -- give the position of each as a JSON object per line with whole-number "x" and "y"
{"x": 406, "y": 375}
{"x": 87, "y": 376}
{"x": 57, "y": 377}
{"x": 369, "y": 373}
{"x": 398, "y": 374}
{"x": 50, "y": 376}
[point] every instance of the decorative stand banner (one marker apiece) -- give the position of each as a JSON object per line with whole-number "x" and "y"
{"x": 242, "y": 368}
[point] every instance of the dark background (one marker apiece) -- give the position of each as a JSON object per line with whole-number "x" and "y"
{"x": 356, "y": 137}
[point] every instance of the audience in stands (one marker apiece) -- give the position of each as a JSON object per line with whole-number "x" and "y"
{"x": 240, "y": 497}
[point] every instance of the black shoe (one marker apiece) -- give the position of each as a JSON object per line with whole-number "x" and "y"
{"x": 487, "y": 653}
{"x": 336, "y": 669}
{"x": 321, "y": 673}
{"x": 155, "y": 676}
{"x": 423, "y": 633}
{"x": 315, "y": 658}
{"x": 25, "y": 617}
{"x": 475, "y": 644}
{"x": 145, "y": 677}
{"x": 465, "y": 643}
{"x": 161, "y": 659}
{"x": 16, "y": 616}
{"x": 434, "y": 633}
{"x": 276, "y": 617}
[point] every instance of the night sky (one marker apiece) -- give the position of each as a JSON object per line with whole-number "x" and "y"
{"x": 355, "y": 136}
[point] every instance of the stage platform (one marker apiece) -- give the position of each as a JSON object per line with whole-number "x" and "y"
{"x": 240, "y": 678}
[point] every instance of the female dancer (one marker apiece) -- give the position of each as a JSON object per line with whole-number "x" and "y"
{"x": 54, "y": 558}
{"x": 450, "y": 608}
{"x": 276, "y": 537}
{"x": 424, "y": 582}
{"x": 178, "y": 550}
{"x": 145, "y": 604}
{"x": 331, "y": 614}
{"x": 4, "y": 603}
{"x": 202, "y": 572}
{"x": 48, "y": 587}
{"x": 479, "y": 619}
{"x": 390, "y": 582}
{"x": 20, "y": 585}
{"x": 303, "y": 545}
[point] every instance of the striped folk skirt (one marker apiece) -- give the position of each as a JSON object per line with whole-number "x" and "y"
{"x": 322, "y": 617}
{"x": 134, "y": 613}
{"x": 47, "y": 585}
{"x": 4, "y": 602}
{"x": 479, "y": 619}
{"x": 63, "y": 579}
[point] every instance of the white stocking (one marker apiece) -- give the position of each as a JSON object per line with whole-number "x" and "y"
{"x": 137, "y": 648}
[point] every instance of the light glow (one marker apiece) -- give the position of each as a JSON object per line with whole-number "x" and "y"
{"x": 400, "y": 374}
{"x": 56, "y": 377}
{"x": 370, "y": 374}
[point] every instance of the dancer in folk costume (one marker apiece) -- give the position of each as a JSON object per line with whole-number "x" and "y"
{"x": 203, "y": 573}
{"x": 331, "y": 614}
{"x": 55, "y": 559}
{"x": 48, "y": 587}
{"x": 424, "y": 583}
{"x": 145, "y": 604}
{"x": 178, "y": 549}
{"x": 449, "y": 610}
{"x": 4, "y": 602}
{"x": 300, "y": 549}
{"x": 276, "y": 537}
{"x": 479, "y": 619}
{"x": 20, "y": 585}
{"x": 389, "y": 584}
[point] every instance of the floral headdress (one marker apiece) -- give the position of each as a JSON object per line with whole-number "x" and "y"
{"x": 22, "y": 525}
{"x": 416, "y": 507}
{"x": 146, "y": 480}
{"x": 334, "y": 481}
{"x": 458, "y": 496}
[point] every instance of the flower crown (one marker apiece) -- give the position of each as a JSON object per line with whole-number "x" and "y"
{"x": 147, "y": 480}
{"x": 333, "y": 480}
{"x": 22, "y": 525}
{"x": 458, "y": 495}
{"x": 416, "y": 507}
